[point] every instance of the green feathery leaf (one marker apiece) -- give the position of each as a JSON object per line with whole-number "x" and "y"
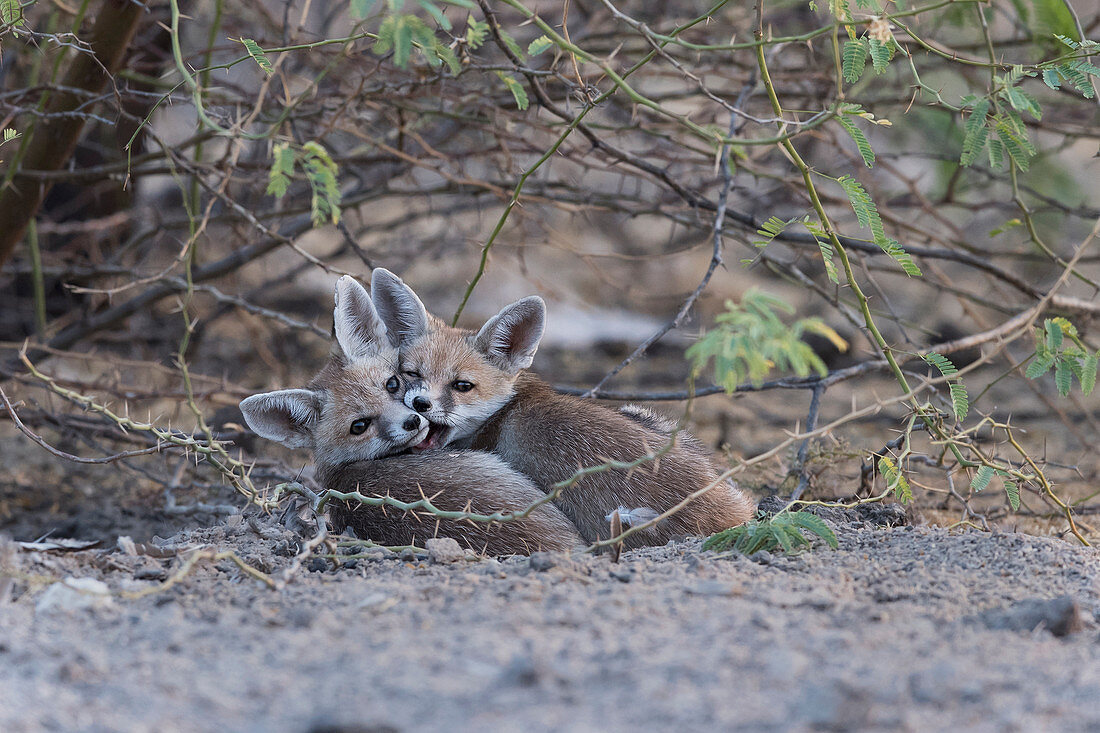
{"x": 517, "y": 90}
{"x": 981, "y": 479}
{"x": 282, "y": 166}
{"x": 539, "y": 45}
{"x": 860, "y": 139}
{"x": 854, "y": 59}
{"x": 880, "y": 55}
{"x": 257, "y": 55}
{"x": 895, "y": 479}
{"x": 976, "y": 132}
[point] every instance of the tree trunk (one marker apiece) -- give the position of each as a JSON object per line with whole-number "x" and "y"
{"x": 54, "y": 138}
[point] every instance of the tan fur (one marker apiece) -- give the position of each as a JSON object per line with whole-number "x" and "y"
{"x": 548, "y": 436}
{"x": 352, "y": 387}
{"x": 454, "y": 481}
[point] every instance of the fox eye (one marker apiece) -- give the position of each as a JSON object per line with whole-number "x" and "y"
{"x": 392, "y": 384}
{"x": 413, "y": 375}
{"x": 359, "y": 426}
{"x": 462, "y": 386}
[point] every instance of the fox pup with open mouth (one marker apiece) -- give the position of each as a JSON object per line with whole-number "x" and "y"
{"x": 472, "y": 388}
{"x": 352, "y": 417}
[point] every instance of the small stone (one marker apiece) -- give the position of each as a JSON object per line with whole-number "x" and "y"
{"x": 376, "y": 554}
{"x": 408, "y": 554}
{"x": 444, "y": 550}
{"x": 1060, "y": 616}
{"x": 763, "y": 557}
{"x": 623, "y": 576}
{"x": 72, "y": 594}
{"x": 377, "y": 602}
{"x": 317, "y": 565}
{"x": 151, "y": 573}
{"x": 541, "y": 561}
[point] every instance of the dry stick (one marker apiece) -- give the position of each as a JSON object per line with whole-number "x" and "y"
{"x": 716, "y": 252}
{"x": 574, "y": 123}
{"x": 744, "y": 219}
{"x": 811, "y": 423}
{"x": 189, "y": 565}
{"x": 53, "y": 141}
{"x": 232, "y": 469}
{"x": 69, "y": 456}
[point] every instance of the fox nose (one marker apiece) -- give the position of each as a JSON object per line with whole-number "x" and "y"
{"x": 412, "y": 422}
{"x": 421, "y": 404}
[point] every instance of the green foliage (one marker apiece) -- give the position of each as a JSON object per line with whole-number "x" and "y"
{"x": 858, "y": 137}
{"x": 771, "y": 229}
{"x": 282, "y": 167}
{"x": 476, "y": 33}
{"x": 981, "y": 479}
{"x": 1009, "y": 133}
{"x": 1076, "y": 71}
{"x": 960, "y": 401}
{"x": 1058, "y": 345}
{"x": 750, "y": 340}
{"x": 1012, "y": 490}
{"x": 854, "y": 59}
{"x": 895, "y": 479}
{"x": 257, "y": 55}
{"x": 984, "y": 475}
{"x": 539, "y": 45}
{"x": 11, "y": 13}
{"x": 783, "y": 531}
{"x": 511, "y": 45}
{"x": 402, "y": 33}
{"x": 976, "y": 132}
{"x": 867, "y": 215}
{"x": 516, "y": 88}
{"x": 825, "y": 246}
{"x": 319, "y": 169}
{"x": 881, "y": 53}
{"x": 8, "y": 135}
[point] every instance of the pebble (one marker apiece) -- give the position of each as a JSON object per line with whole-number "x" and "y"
{"x": 444, "y": 550}
{"x": 74, "y": 594}
{"x": 541, "y": 561}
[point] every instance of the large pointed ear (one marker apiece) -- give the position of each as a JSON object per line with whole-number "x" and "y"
{"x": 397, "y": 306}
{"x": 511, "y": 337}
{"x": 359, "y": 330}
{"x": 286, "y": 416}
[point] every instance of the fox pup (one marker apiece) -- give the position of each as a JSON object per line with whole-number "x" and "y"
{"x": 474, "y": 391}
{"x": 351, "y": 415}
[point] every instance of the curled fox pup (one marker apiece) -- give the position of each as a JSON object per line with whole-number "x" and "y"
{"x": 473, "y": 389}
{"x": 352, "y": 417}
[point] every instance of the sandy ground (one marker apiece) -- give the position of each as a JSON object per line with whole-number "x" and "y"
{"x": 903, "y": 628}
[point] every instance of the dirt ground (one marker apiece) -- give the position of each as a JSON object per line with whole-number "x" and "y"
{"x": 902, "y": 628}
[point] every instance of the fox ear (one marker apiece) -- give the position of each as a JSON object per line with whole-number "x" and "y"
{"x": 359, "y": 330}
{"x": 286, "y": 416}
{"x": 398, "y": 307}
{"x": 511, "y": 337}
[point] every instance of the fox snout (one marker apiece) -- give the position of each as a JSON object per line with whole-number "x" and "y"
{"x": 411, "y": 424}
{"x": 418, "y": 397}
